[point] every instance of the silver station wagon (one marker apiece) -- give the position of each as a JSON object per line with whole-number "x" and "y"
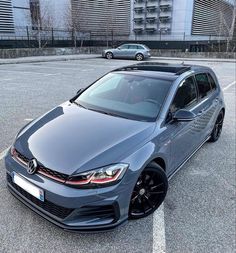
{"x": 128, "y": 51}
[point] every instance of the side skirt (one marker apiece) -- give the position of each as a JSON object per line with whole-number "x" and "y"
{"x": 183, "y": 163}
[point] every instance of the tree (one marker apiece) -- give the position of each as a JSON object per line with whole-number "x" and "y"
{"x": 42, "y": 19}
{"x": 226, "y": 28}
{"x": 75, "y": 21}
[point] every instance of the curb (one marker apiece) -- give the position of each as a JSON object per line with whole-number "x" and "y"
{"x": 46, "y": 59}
{"x": 195, "y": 59}
{"x": 94, "y": 56}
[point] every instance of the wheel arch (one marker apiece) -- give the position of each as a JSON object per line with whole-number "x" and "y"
{"x": 160, "y": 161}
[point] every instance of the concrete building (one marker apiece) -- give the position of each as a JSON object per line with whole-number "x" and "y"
{"x": 181, "y": 19}
{"x": 144, "y": 20}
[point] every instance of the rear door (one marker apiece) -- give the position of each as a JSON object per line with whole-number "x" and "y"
{"x": 208, "y": 104}
{"x": 132, "y": 51}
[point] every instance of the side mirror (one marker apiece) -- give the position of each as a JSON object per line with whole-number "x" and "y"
{"x": 118, "y": 48}
{"x": 184, "y": 115}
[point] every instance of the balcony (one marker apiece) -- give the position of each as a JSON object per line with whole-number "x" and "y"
{"x": 152, "y": 8}
{"x": 150, "y": 28}
{"x": 139, "y": 20}
{"x": 165, "y": 7}
{"x": 151, "y": 20}
{"x": 138, "y": 29}
{"x": 139, "y": 9}
{"x": 164, "y": 28}
{"x": 164, "y": 18}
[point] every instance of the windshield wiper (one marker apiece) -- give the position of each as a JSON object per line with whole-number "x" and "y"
{"x": 76, "y": 103}
{"x": 108, "y": 113}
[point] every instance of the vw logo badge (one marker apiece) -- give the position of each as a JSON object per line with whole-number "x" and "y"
{"x": 32, "y": 166}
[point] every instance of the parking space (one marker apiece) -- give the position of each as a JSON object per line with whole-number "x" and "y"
{"x": 199, "y": 212}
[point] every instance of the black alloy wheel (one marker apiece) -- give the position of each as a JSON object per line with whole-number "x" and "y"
{"x": 215, "y": 135}
{"x": 149, "y": 192}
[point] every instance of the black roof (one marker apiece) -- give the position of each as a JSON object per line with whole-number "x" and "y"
{"x": 168, "y": 69}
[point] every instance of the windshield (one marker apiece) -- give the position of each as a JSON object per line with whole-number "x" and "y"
{"x": 126, "y": 95}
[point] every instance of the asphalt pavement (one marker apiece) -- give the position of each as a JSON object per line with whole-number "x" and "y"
{"x": 199, "y": 211}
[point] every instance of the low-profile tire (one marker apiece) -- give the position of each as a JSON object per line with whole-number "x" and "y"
{"x": 149, "y": 192}
{"x": 216, "y": 132}
{"x": 139, "y": 57}
{"x": 109, "y": 55}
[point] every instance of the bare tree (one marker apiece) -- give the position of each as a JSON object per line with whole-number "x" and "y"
{"x": 42, "y": 18}
{"x": 75, "y": 21}
{"x": 226, "y": 28}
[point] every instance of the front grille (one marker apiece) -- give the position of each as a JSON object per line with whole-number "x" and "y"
{"x": 89, "y": 213}
{"x": 41, "y": 169}
{"x": 53, "y": 173}
{"x": 58, "y": 211}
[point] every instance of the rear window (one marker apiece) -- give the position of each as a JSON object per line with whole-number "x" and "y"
{"x": 212, "y": 82}
{"x": 203, "y": 85}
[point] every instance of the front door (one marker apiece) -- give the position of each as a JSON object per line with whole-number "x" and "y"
{"x": 183, "y": 137}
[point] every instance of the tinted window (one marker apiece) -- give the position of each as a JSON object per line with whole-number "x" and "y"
{"x": 133, "y": 47}
{"x": 212, "y": 82}
{"x": 203, "y": 85}
{"x": 124, "y": 47}
{"x": 140, "y": 47}
{"x": 185, "y": 96}
{"x": 126, "y": 95}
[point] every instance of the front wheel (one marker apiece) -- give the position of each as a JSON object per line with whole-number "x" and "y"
{"x": 216, "y": 132}
{"x": 149, "y": 192}
{"x": 109, "y": 55}
{"x": 139, "y": 57}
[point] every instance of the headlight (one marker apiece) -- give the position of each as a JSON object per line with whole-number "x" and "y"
{"x": 102, "y": 177}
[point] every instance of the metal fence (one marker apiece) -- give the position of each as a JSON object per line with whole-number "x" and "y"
{"x": 54, "y": 37}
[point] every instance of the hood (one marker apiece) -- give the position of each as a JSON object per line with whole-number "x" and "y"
{"x": 70, "y": 139}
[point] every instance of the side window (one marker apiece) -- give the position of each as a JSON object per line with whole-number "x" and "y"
{"x": 212, "y": 82}
{"x": 124, "y": 47}
{"x": 132, "y": 47}
{"x": 140, "y": 47}
{"x": 203, "y": 85}
{"x": 186, "y": 95}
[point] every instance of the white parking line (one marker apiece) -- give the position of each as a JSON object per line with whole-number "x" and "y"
{"x": 229, "y": 85}
{"x": 29, "y": 119}
{"x": 159, "y": 238}
{"x": 3, "y": 153}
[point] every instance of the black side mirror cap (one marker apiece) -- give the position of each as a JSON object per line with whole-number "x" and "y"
{"x": 184, "y": 115}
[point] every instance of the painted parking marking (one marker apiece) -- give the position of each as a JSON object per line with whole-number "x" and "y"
{"x": 159, "y": 240}
{"x": 3, "y": 153}
{"x": 29, "y": 119}
{"x": 229, "y": 85}
{"x": 28, "y": 72}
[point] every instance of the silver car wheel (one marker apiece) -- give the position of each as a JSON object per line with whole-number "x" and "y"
{"x": 139, "y": 57}
{"x": 109, "y": 55}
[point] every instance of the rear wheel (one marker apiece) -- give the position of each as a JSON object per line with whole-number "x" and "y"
{"x": 139, "y": 57}
{"x": 149, "y": 192}
{"x": 216, "y": 132}
{"x": 109, "y": 55}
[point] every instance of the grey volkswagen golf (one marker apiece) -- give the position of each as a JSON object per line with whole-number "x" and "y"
{"x": 106, "y": 155}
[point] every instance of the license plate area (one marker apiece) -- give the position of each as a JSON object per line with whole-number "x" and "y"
{"x": 28, "y": 187}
